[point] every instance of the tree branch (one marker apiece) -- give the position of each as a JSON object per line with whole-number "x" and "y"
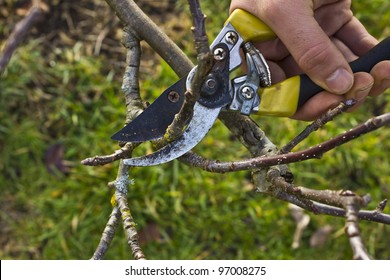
{"x": 123, "y": 152}
{"x": 205, "y": 63}
{"x": 121, "y": 184}
{"x": 108, "y": 234}
{"x": 130, "y": 82}
{"x": 317, "y": 124}
{"x": 352, "y": 205}
{"x": 134, "y": 106}
{"x": 130, "y": 88}
{"x": 310, "y": 153}
{"x": 321, "y": 201}
{"x": 131, "y": 15}
{"x": 34, "y": 15}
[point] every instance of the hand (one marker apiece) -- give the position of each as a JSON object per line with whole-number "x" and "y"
{"x": 318, "y": 37}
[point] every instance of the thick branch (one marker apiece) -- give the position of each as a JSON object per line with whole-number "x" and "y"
{"x": 131, "y": 15}
{"x": 130, "y": 84}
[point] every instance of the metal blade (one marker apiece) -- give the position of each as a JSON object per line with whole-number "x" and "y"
{"x": 201, "y": 123}
{"x": 153, "y": 122}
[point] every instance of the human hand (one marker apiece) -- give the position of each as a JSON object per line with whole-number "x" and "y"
{"x": 318, "y": 37}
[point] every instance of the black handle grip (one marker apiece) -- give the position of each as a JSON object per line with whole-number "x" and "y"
{"x": 363, "y": 64}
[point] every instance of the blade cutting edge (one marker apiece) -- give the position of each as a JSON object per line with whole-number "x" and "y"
{"x": 201, "y": 123}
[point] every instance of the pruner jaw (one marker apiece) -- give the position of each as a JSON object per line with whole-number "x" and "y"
{"x": 202, "y": 121}
{"x": 206, "y": 111}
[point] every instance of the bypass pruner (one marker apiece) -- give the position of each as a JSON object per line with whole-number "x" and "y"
{"x": 250, "y": 93}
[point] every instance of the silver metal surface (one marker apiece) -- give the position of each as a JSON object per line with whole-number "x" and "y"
{"x": 223, "y": 37}
{"x": 259, "y": 64}
{"x": 201, "y": 123}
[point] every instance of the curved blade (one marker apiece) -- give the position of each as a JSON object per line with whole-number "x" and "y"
{"x": 200, "y": 124}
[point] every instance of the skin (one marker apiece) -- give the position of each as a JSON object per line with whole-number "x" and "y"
{"x": 318, "y": 37}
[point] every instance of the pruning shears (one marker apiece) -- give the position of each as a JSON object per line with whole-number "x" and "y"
{"x": 250, "y": 93}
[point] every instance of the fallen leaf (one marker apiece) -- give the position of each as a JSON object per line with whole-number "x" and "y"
{"x": 54, "y": 159}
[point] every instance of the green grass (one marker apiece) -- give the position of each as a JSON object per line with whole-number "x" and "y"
{"x": 75, "y": 100}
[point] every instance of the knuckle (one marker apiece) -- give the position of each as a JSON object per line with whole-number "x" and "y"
{"x": 314, "y": 57}
{"x": 271, "y": 10}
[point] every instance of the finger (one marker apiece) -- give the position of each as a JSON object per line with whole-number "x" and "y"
{"x": 355, "y": 36}
{"x": 360, "y": 89}
{"x": 323, "y": 101}
{"x": 274, "y": 49}
{"x": 317, "y": 105}
{"x": 381, "y": 75}
{"x": 345, "y": 50}
{"x": 310, "y": 46}
{"x": 277, "y": 73}
{"x": 320, "y": 3}
{"x": 333, "y": 16}
{"x": 291, "y": 68}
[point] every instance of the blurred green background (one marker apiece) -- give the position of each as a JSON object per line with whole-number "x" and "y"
{"x": 60, "y": 102}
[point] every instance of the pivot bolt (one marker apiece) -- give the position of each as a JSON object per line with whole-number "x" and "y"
{"x": 219, "y": 54}
{"x": 247, "y": 92}
{"x": 210, "y": 86}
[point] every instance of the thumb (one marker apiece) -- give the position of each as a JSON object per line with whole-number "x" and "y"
{"x": 311, "y": 48}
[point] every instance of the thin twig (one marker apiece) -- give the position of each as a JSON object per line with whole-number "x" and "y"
{"x": 121, "y": 185}
{"x": 205, "y": 62}
{"x": 310, "y": 153}
{"x": 317, "y": 124}
{"x": 123, "y": 152}
{"x": 134, "y": 106}
{"x": 130, "y": 88}
{"x": 381, "y": 206}
{"x": 108, "y": 234}
{"x": 324, "y": 209}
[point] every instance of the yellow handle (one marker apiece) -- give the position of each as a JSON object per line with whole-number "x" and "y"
{"x": 250, "y": 27}
{"x": 281, "y": 99}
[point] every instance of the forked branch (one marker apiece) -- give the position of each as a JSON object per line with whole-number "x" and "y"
{"x": 267, "y": 165}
